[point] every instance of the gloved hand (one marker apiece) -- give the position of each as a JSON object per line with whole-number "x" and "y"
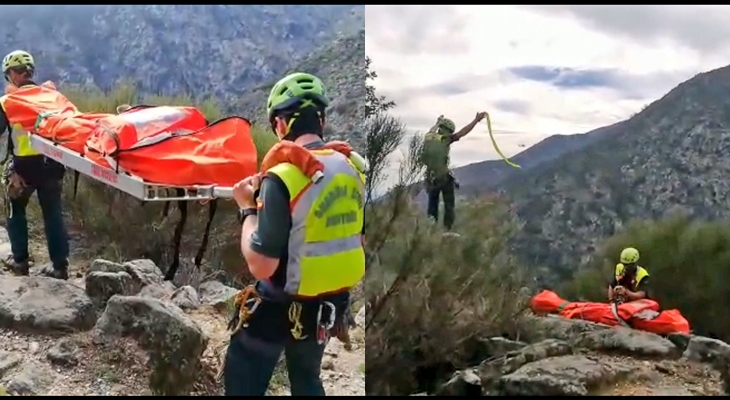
{"x": 16, "y": 186}
{"x": 14, "y": 183}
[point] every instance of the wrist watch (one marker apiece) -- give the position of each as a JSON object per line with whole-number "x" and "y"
{"x": 243, "y": 213}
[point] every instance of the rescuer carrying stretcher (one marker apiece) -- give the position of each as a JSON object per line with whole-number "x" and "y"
{"x": 302, "y": 223}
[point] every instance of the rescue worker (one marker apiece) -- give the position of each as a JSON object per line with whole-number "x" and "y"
{"x": 440, "y": 181}
{"x": 630, "y": 281}
{"x": 28, "y": 171}
{"x": 302, "y": 242}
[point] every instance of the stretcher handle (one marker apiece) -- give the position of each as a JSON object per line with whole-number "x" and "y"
{"x": 223, "y": 192}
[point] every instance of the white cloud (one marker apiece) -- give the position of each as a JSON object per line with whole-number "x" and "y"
{"x": 455, "y": 60}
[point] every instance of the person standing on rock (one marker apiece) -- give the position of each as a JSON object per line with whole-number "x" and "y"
{"x": 439, "y": 179}
{"x": 302, "y": 240}
{"x": 28, "y": 171}
{"x": 630, "y": 281}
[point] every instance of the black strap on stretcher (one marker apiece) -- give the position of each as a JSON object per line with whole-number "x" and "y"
{"x": 177, "y": 237}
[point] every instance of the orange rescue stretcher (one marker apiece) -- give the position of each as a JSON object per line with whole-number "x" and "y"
{"x": 645, "y": 315}
{"x": 144, "y": 151}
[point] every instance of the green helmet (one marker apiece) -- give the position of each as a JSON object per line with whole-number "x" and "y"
{"x": 629, "y": 255}
{"x": 446, "y": 126}
{"x": 294, "y": 88}
{"x": 18, "y": 58}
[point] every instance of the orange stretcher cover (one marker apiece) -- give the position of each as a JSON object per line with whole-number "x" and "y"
{"x": 644, "y": 315}
{"x": 165, "y": 145}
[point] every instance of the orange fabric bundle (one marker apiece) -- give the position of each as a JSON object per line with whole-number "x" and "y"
{"x": 640, "y": 314}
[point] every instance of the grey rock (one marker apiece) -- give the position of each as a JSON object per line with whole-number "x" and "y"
{"x": 554, "y": 327}
{"x": 499, "y": 345}
{"x": 708, "y": 350}
{"x": 173, "y": 341}
{"x": 160, "y": 292}
{"x": 64, "y": 353}
{"x": 101, "y": 265}
{"x": 572, "y": 375}
{"x": 145, "y": 272}
{"x": 680, "y": 340}
{"x": 462, "y": 383}
{"x": 33, "y": 378}
{"x": 186, "y": 298}
{"x": 628, "y": 341}
{"x": 44, "y": 304}
{"x": 216, "y": 294}
{"x": 8, "y": 361}
{"x": 101, "y": 286}
{"x": 491, "y": 370}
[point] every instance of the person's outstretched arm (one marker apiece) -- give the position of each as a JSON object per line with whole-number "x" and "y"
{"x": 470, "y": 126}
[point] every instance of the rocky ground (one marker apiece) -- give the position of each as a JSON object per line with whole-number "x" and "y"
{"x": 576, "y": 358}
{"x": 119, "y": 329}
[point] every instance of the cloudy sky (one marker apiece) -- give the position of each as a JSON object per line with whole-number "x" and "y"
{"x": 538, "y": 70}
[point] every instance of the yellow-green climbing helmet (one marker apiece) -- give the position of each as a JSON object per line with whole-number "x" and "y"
{"x": 295, "y": 88}
{"x": 18, "y": 58}
{"x": 446, "y": 126}
{"x": 629, "y": 255}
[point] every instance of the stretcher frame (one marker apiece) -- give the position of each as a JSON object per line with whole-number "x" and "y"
{"x": 124, "y": 181}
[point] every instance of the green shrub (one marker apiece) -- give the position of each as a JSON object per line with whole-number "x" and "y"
{"x": 689, "y": 264}
{"x": 433, "y": 296}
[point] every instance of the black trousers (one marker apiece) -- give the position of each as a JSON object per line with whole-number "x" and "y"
{"x": 445, "y": 188}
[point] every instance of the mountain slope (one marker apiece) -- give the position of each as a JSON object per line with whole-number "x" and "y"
{"x": 485, "y": 176}
{"x": 220, "y": 50}
{"x": 341, "y": 65}
{"x": 674, "y": 153}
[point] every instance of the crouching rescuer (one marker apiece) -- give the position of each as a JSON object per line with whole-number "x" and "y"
{"x": 302, "y": 239}
{"x": 630, "y": 281}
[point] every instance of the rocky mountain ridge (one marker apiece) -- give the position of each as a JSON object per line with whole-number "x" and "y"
{"x": 672, "y": 154}
{"x": 476, "y": 178}
{"x": 203, "y": 50}
{"x": 341, "y": 65}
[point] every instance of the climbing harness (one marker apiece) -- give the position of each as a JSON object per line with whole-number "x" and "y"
{"x": 322, "y": 327}
{"x": 246, "y": 302}
{"x": 245, "y": 298}
{"x": 496, "y": 148}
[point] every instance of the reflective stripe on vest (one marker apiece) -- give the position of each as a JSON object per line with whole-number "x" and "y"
{"x": 641, "y": 273}
{"x": 18, "y": 135}
{"x": 325, "y": 247}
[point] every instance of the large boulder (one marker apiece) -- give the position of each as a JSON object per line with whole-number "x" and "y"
{"x": 44, "y": 304}
{"x": 173, "y": 341}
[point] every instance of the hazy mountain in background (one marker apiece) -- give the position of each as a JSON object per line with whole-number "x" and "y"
{"x": 341, "y": 64}
{"x": 221, "y": 50}
{"x": 672, "y": 154}
{"x": 488, "y": 175}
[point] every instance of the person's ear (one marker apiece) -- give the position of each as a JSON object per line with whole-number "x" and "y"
{"x": 280, "y": 126}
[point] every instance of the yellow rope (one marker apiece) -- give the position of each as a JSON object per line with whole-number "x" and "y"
{"x": 494, "y": 143}
{"x": 295, "y": 315}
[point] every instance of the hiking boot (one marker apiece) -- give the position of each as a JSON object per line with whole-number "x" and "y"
{"x": 17, "y": 268}
{"x": 57, "y": 273}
